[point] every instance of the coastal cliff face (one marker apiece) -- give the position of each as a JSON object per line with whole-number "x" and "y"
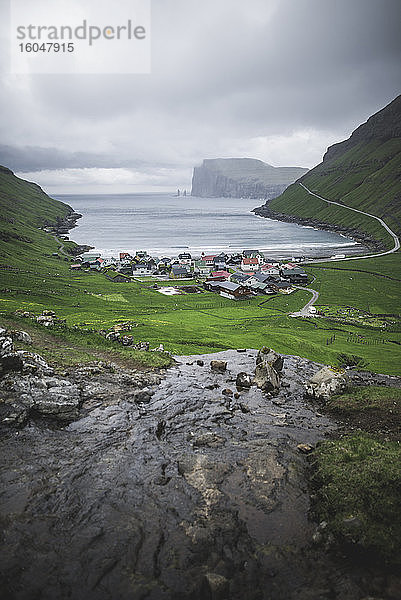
{"x": 241, "y": 178}
{"x": 362, "y": 172}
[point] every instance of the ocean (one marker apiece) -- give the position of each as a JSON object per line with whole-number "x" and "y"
{"x": 163, "y": 224}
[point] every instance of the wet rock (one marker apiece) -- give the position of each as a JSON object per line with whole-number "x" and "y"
{"x": 210, "y": 440}
{"x": 10, "y": 362}
{"x": 243, "y": 381}
{"x": 325, "y": 383}
{"x": 227, "y": 392}
{"x": 266, "y": 355}
{"x": 22, "y": 336}
{"x": 13, "y": 414}
{"x": 266, "y": 377}
{"x": 218, "y": 365}
{"x": 216, "y": 587}
{"x": 200, "y": 363}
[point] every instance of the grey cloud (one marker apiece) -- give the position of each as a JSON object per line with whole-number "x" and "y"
{"x": 223, "y": 72}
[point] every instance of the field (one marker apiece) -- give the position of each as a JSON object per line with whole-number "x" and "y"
{"x": 205, "y": 322}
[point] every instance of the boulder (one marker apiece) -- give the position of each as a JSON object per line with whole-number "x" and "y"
{"x": 22, "y": 336}
{"x": 11, "y": 362}
{"x": 218, "y": 365}
{"x": 243, "y": 381}
{"x": 325, "y": 383}
{"x": 266, "y": 355}
{"x": 6, "y": 343}
{"x": 266, "y": 378}
{"x": 216, "y": 587}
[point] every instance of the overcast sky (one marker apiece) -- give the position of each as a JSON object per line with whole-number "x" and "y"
{"x": 278, "y": 80}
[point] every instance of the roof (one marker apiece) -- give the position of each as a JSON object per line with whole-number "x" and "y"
{"x": 220, "y": 274}
{"x": 250, "y": 261}
{"x": 282, "y": 284}
{"x": 241, "y": 276}
{"x": 261, "y": 277}
{"x": 180, "y": 271}
{"x": 209, "y": 257}
{"x": 229, "y": 286}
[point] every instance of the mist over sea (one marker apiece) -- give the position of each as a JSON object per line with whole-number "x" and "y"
{"x": 166, "y": 225}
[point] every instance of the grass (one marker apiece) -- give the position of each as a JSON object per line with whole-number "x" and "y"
{"x": 358, "y": 486}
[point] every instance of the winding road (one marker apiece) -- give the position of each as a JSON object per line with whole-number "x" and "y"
{"x": 386, "y": 227}
{"x": 304, "y": 312}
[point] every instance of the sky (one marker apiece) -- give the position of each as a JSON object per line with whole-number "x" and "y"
{"x": 277, "y": 80}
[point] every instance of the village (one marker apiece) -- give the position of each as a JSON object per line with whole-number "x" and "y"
{"x": 236, "y": 276}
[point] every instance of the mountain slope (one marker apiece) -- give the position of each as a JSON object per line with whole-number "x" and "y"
{"x": 363, "y": 172}
{"x": 241, "y": 178}
{"x": 24, "y": 210}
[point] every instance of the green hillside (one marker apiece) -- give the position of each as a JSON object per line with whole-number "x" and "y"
{"x": 25, "y": 208}
{"x": 363, "y": 172}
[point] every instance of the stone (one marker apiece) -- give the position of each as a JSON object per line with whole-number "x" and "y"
{"x": 210, "y": 440}
{"x": 267, "y": 355}
{"x": 305, "y": 448}
{"x": 13, "y": 414}
{"x": 200, "y": 363}
{"x": 325, "y": 383}
{"x": 217, "y": 586}
{"x": 227, "y": 392}
{"x": 6, "y": 343}
{"x": 11, "y": 362}
{"x": 266, "y": 377}
{"x": 22, "y": 336}
{"x": 243, "y": 381}
{"x": 218, "y": 365}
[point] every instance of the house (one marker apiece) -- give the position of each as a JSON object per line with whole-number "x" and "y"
{"x": 252, "y": 254}
{"x": 201, "y": 268}
{"x": 258, "y": 277}
{"x": 250, "y": 264}
{"x": 261, "y": 288}
{"x": 270, "y": 270}
{"x": 282, "y": 286}
{"x": 178, "y": 272}
{"x": 141, "y": 268}
{"x": 234, "y": 259}
{"x": 233, "y": 291}
{"x": 241, "y": 278}
{"x": 185, "y": 258}
{"x": 125, "y": 256}
{"x": 295, "y": 275}
{"x": 108, "y": 261}
{"x": 222, "y": 274}
{"x": 76, "y": 267}
{"x": 117, "y": 277}
{"x": 208, "y": 259}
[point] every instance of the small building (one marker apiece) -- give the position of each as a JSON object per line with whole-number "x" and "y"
{"x": 223, "y": 274}
{"x": 241, "y": 278}
{"x": 178, "y": 272}
{"x": 76, "y": 267}
{"x": 295, "y": 275}
{"x": 208, "y": 259}
{"x": 282, "y": 286}
{"x": 249, "y": 264}
{"x": 125, "y": 256}
{"x": 233, "y": 291}
{"x": 185, "y": 258}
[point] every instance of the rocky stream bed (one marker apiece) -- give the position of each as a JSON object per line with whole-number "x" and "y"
{"x": 167, "y": 487}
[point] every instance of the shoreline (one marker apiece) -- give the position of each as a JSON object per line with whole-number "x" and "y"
{"x": 357, "y": 236}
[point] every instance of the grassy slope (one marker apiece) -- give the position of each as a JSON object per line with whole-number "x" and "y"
{"x": 363, "y": 173}
{"x": 195, "y": 323}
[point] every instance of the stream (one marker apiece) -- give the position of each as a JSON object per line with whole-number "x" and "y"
{"x": 195, "y": 494}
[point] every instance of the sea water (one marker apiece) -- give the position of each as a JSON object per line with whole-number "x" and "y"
{"x": 163, "y": 224}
